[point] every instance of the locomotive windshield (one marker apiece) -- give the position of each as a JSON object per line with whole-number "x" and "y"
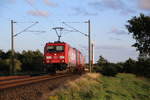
{"x": 59, "y": 48}
{"x": 55, "y": 48}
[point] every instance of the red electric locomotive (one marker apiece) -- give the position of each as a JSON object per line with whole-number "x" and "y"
{"x": 61, "y": 56}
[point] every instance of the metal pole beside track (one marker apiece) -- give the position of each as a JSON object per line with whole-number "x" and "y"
{"x": 12, "y": 48}
{"x": 12, "y": 64}
{"x": 89, "y": 43}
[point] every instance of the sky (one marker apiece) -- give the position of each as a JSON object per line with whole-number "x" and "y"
{"x": 108, "y": 19}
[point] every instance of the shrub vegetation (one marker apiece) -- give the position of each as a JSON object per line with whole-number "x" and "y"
{"x": 25, "y": 62}
{"x": 98, "y": 87}
{"x": 141, "y": 67}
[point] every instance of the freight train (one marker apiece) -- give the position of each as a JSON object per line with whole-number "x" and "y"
{"x": 59, "y": 56}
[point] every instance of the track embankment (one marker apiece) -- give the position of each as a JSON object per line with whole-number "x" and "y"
{"x": 31, "y": 88}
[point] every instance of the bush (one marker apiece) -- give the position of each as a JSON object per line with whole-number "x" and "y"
{"x": 97, "y": 69}
{"x": 4, "y": 66}
{"x": 140, "y": 67}
{"x": 130, "y": 66}
{"x": 143, "y": 67}
{"x": 29, "y": 61}
{"x": 32, "y": 61}
{"x": 110, "y": 70}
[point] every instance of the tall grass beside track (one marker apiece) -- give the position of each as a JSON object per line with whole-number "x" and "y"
{"x": 98, "y": 87}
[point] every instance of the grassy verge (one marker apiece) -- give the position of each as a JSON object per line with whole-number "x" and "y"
{"x": 98, "y": 87}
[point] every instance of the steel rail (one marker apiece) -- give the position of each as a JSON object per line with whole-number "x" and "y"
{"x": 6, "y": 78}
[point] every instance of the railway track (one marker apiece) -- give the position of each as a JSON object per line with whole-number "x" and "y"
{"x": 16, "y": 81}
{"x": 6, "y": 78}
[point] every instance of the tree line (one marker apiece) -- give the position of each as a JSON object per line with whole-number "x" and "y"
{"x": 140, "y": 67}
{"x": 32, "y": 62}
{"x": 25, "y": 62}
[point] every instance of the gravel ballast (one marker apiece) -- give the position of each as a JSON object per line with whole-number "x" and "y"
{"x": 37, "y": 91}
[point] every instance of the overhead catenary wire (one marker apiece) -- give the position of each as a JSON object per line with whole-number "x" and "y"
{"x": 74, "y": 22}
{"x": 89, "y": 39}
{"x": 69, "y": 30}
{"x": 25, "y": 29}
{"x": 76, "y": 30}
{"x": 36, "y": 31}
{"x": 37, "y": 10}
{"x": 25, "y": 22}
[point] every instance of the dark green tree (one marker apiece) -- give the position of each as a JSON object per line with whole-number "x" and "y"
{"x": 130, "y": 66}
{"x": 31, "y": 60}
{"x": 7, "y": 54}
{"x": 107, "y": 68}
{"x": 139, "y": 27}
{"x": 2, "y": 54}
{"x": 4, "y": 66}
{"x": 143, "y": 67}
{"x": 102, "y": 61}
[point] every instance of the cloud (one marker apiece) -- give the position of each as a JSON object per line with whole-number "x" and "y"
{"x": 127, "y": 11}
{"x": 82, "y": 11}
{"x": 38, "y": 13}
{"x": 49, "y": 3}
{"x": 144, "y": 4}
{"x": 117, "y": 31}
{"x": 116, "y": 5}
{"x": 110, "y": 4}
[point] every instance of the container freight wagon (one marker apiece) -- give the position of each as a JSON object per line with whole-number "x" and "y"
{"x": 61, "y": 56}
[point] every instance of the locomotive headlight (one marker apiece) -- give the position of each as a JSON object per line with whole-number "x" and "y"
{"x": 61, "y": 57}
{"x": 48, "y": 57}
{"x": 47, "y": 61}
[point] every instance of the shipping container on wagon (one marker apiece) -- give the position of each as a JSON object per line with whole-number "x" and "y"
{"x": 72, "y": 57}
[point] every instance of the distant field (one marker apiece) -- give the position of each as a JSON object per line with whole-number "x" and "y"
{"x": 98, "y": 87}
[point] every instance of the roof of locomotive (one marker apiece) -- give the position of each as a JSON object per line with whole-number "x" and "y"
{"x": 59, "y": 42}
{"x": 56, "y": 42}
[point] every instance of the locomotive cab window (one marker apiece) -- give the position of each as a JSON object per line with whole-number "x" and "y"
{"x": 55, "y": 48}
{"x": 60, "y": 48}
{"x": 50, "y": 48}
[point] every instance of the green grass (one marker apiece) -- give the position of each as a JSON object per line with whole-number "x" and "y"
{"x": 98, "y": 87}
